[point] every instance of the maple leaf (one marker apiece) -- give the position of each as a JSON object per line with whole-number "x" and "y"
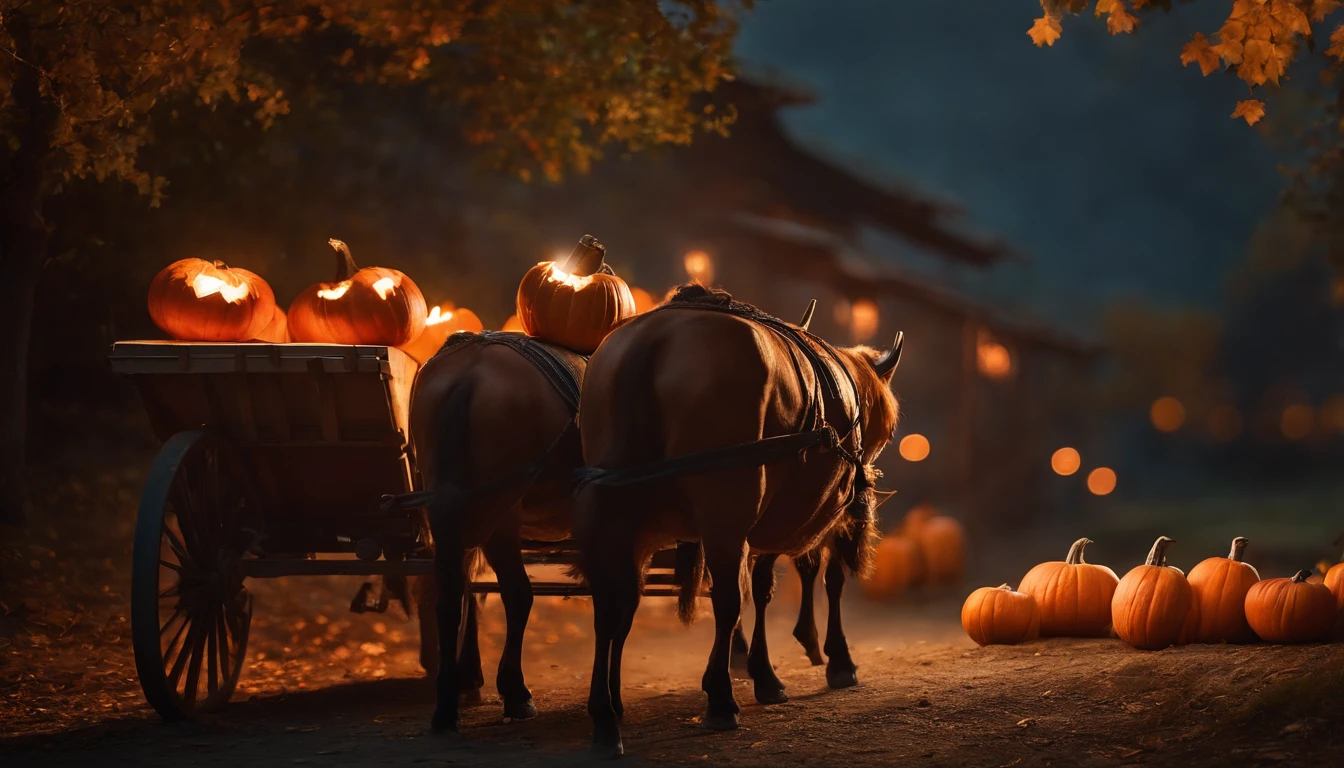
{"x": 1198, "y": 50}
{"x": 1120, "y": 20}
{"x": 1336, "y": 49}
{"x": 1045, "y": 31}
{"x": 1250, "y": 109}
{"x": 1287, "y": 13}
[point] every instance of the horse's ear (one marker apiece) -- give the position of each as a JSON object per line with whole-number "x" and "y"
{"x": 807, "y": 314}
{"x": 885, "y": 365}
{"x": 882, "y": 497}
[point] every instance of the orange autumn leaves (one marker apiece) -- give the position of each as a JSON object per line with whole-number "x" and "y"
{"x": 1258, "y": 40}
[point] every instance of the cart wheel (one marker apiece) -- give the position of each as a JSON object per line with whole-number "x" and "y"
{"x": 190, "y": 613}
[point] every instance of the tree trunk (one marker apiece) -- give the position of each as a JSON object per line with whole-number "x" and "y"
{"x": 23, "y": 251}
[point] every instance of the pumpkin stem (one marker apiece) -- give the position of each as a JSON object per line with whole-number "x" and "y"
{"x": 217, "y": 264}
{"x": 1158, "y": 554}
{"x": 345, "y": 263}
{"x": 1301, "y": 576}
{"x": 586, "y": 258}
{"x": 1238, "y": 549}
{"x": 1076, "y": 551}
{"x": 1004, "y": 587}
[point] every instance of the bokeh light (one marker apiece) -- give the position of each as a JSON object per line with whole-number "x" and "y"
{"x": 914, "y": 448}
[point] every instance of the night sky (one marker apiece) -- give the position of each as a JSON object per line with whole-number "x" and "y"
{"x": 1115, "y": 170}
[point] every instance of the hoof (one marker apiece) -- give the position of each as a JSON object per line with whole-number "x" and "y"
{"x": 445, "y": 724}
{"x": 520, "y": 711}
{"x": 771, "y": 695}
{"x": 469, "y": 698}
{"x": 841, "y": 678}
{"x": 721, "y": 722}
{"x": 602, "y": 751}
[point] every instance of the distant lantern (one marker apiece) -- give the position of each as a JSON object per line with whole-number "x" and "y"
{"x": 1296, "y": 421}
{"x": 914, "y": 447}
{"x": 1101, "y": 481}
{"x": 1167, "y": 414}
{"x": 991, "y": 357}
{"x": 699, "y": 267}
{"x": 863, "y": 319}
{"x": 1224, "y": 423}
{"x": 1066, "y": 461}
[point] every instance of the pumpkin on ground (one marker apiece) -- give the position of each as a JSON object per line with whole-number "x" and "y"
{"x": 1152, "y": 602}
{"x": 942, "y": 542}
{"x": 1219, "y": 586}
{"x": 374, "y": 305}
{"x": 896, "y": 563}
{"x": 1074, "y": 596}
{"x": 276, "y": 331}
{"x": 1291, "y": 610}
{"x": 441, "y": 322}
{"x": 574, "y": 303}
{"x": 1334, "y": 581}
{"x": 199, "y": 300}
{"x": 1000, "y": 616}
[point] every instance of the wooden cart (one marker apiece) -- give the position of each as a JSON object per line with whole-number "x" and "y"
{"x": 274, "y": 463}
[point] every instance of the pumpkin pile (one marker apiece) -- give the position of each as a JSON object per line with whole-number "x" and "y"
{"x": 198, "y": 300}
{"x": 925, "y": 549}
{"x": 1156, "y": 605}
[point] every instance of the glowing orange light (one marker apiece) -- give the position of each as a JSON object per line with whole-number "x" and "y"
{"x": 384, "y": 286}
{"x": 1101, "y": 481}
{"x": 699, "y": 267}
{"x": 1296, "y": 421}
{"x": 437, "y": 316}
{"x": 204, "y": 284}
{"x": 863, "y": 319}
{"x": 992, "y": 358}
{"x": 513, "y": 324}
{"x": 914, "y": 447}
{"x": 1224, "y": 423}
{"x": 643, "y": 300}
{"x": 1167, "y": 414}
{"x": 558, "y": 275}
{"x": 334, "y": 293}
{"x": 1066, "y": 461}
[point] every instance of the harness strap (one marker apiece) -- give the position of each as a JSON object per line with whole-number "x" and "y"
{"x": 742, "y": 455}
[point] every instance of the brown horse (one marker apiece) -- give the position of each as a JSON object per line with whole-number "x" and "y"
{"x": 718, "y": 427}
{"x": 496, "y": 443}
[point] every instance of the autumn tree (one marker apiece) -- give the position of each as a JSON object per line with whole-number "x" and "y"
{"x": 542, "y": 86}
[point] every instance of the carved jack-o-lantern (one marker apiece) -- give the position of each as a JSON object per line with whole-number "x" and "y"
{"x": 198, "y": 300}
{"x": 575, "y": 303}
{"x": 374, "y": 305}
{"x": 442, "y": 322}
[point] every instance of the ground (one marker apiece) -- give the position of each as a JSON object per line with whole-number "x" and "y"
{"x": 327, "y": 687}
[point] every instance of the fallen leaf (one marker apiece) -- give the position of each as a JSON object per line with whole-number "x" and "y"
{"x": 1250, "y": 109}
{"x": 1045, "y": 31}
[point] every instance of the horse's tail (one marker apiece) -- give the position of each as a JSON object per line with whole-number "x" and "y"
{"x": 689, "y": 575}
{"x": 857, "y": 536}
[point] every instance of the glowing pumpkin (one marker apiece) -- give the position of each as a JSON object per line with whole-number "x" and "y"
{"x": 1074, "y": 596}
{"x": 1000, "y": 616}
{"x": 1152, "y": 602}
{"x": 440, "y": 323}
{"x": 1334, "y": 581}
{"x": 896, "y": 564}
{"x": 374, "y": 305}
{"x": 942, "y": 542}
{"x": 643, "y": 300}
{"x": 513, "y": 325}
{"x": 1291, "y": 610}
{"x": 276, "y": 331}
{"x": 1219, "y": 586}
{"x": 575, "y": 303}
{"x": 199, "y": 300}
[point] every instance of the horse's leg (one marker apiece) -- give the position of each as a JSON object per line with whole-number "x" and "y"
{"x": 769, "y": 690}
{"x": 504, "y": 553}
{"x": 739, "y": 662}
{"x": 425, "y": 596}
{"x": 450, "y": 582}
{"x": 724, "y": 562}
{"x": 629, "y": 603}
{"x": 607, "y": 551}
{"x": 470, "y": 677}
{"x": 805, "y": 631}
{"x": 840, "y": 669}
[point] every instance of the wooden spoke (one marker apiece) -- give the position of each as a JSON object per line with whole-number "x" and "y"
{"x": 194, "y": 668}
{"x": 211, "y": 657}
{"x": 226, "y": 637}
{"x": 180, "y": 664}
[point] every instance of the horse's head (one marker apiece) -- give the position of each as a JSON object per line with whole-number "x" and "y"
{"x": 872, "y": 371}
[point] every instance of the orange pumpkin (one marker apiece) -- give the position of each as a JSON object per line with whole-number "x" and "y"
{"x": 1334, "y": 581}
{"x": 643, "y": 300}
{"x": 513, "y": 325}
{"x": 199, "y": 300}
{"x": 1074, "y": 596}
{"x": 896, "y": 562}
{"x": 276, "y": 331}
{"x": 1000, "y": 616}
{"x": 1291, "y": 610}
{"x": 575, "y": 303}
{"x": 942, "y": 541}
{"x": 440, "y": 323}
{"x": 1218, "y": 586}
{"x": 1152, "y": 601}
{"x": 374, "y": 305}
